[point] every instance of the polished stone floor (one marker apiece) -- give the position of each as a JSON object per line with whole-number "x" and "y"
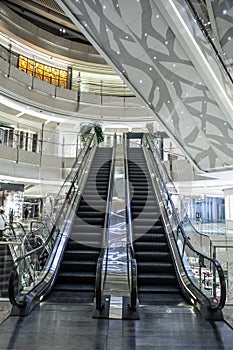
{"x": 71, "y": 327}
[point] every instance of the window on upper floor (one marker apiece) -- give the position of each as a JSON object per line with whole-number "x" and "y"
{"x": 51, "y": 75}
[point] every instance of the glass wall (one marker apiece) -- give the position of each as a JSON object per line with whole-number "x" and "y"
{"x": 206, "y": 209}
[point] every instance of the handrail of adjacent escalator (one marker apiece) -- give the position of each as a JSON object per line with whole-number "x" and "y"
{"x": 42, "y": 250}
{"x": 214, "y": 304}
{"x": 131, "y": 261}
{"x": 205, "y": 32}
{"x": 101, "y": 269}
{"x": 187, "y": 222}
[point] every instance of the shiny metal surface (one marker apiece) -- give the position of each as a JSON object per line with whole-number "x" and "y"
{"x": 117, "y": 278}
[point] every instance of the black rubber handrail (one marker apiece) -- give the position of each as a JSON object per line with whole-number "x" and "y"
{"x": 205, "y": 32}
{"x": 216, "y": 263}
{"x": 13, "y": 228}
{"x": 132, "y": 269}
{"x": 55, "y": 229}
{"x": 169, "y": 179}
{"x": 14, "y": 272}
{"x": 100, "y": 269}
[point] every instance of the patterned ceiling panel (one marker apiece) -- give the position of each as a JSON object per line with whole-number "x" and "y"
{"x": 144, "y": 42}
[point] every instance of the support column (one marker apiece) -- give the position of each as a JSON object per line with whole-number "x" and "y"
{"x": 228, "y": 194}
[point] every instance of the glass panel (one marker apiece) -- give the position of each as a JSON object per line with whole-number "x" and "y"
{"x": 45, "y": 238}
{"x": 204, "y": 272}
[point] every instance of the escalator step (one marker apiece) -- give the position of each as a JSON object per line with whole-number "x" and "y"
{"x": 98, "y": 221}
{"x": 158, "y": 279}
{"x": 155, "y": 267}
{"x": 76, "y": 246}
{"x": 150, "y": 237}
{"x": 86, "y": 287}
{"x": 158, "y": 289}
{"x": 151, "y": 256}
{"x": 150, "y": 246}
{"x": 92, "y": 215}
{"x": 154, "y": 229}
{"x": 71, "y": 265}
{"x": 76, "y": 277}
{"x": 147, "y": 222}
{"x": 84, "y": 252}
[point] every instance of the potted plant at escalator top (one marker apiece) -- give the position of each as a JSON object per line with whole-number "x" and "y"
{"x": 86, "y": 129}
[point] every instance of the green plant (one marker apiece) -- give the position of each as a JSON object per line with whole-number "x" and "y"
{"x": 99, "y": 133}
{"x": 85, "y": 131}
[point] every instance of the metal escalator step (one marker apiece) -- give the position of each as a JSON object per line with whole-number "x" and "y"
{"x": 85, "y": 243}
{"x": 155, "y": 267}
{"x": 74, "y": 287}
{"x": 150, "y": 237}
{"x": 151, "y": 256}
{"x": 139, "y": 230}
{"x": 86, "y": 228}
{"x": 140, "y": 200}
{"x": 158, "y": 289}
{"x": 74, "y": 245}
{"x": 96, "y": 192}
{"x": 95, "y": 188}
{"x": 70, "y": 277}
{"x": 98, "y": 221}
{"x": 146, "y": 222}
{"x": 146, "y": 214}
{"x": 91, "y": 214}
{"x": 151, "y": 246}
{"x": 150, "y": 197}
{"x": 158, "y": 279}
{"x": 92, "y": 208}
{"x": 92, "y": 235}
{"x": 82, "y": 254}
{"x": 76, "y": 265}
{"x": 152, "y": 211}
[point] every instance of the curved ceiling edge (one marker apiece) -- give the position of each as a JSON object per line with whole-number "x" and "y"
{"x": 27, "y": 33}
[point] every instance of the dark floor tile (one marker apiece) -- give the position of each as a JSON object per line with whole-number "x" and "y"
{"x": 71, "y": 327}
{"x": 52, "y": 342}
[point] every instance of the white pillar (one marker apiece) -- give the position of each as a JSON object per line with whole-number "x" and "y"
{"x": 228, "y": 194}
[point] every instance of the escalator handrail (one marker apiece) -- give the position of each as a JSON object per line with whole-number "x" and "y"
{"x": 168, "y": 177}
{"x": 85, "y": 150}
{"x": 100, "y": 276}
{"x": 55, "y": 228}
{"x": 205, "y": 32}
{"x": 11, "y": 226}
{"x": 132, "y": 276}
{"x": 215, "y": 262}
{"x": 14, "y": 269}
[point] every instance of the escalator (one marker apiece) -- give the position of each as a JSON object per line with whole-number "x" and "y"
{"x": 76, "y": 277}
{"x": 157, "y": 281}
